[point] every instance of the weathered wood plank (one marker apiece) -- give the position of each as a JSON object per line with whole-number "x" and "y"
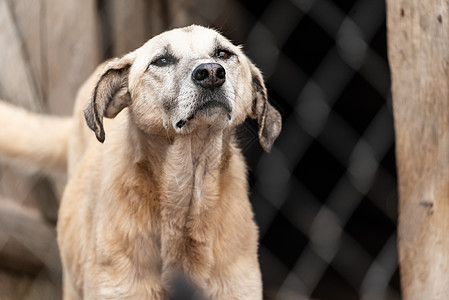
{"x": 418, "y": 46}
{"x": 72, "y": 47}
{"x": 17, "y": 82}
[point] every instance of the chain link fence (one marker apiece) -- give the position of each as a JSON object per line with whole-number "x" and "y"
{"x": 325, "y": 198}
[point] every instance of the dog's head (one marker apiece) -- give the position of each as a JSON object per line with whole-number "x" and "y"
{"x": 184, "y": 80}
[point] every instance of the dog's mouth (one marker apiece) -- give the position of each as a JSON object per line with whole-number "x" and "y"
{"x": 207, "y": 107}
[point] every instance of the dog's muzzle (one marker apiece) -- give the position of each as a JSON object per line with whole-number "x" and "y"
{"x": 209, "y": 75}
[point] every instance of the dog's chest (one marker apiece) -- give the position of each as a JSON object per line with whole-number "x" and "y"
{"x": 143, "y": 241}
{"x": 167, "y": 222}
{"x": 145, "y": 258}
{"x": 186, "y": 246}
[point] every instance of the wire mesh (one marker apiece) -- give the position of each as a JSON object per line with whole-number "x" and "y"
{"x": 325, "y": 198}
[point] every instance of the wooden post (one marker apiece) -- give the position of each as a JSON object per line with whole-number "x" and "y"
{"x": 418, "y": 46}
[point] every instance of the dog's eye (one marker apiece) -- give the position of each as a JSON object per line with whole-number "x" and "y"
{"x": 223, "y": 54}
{"x": 164, "y": 61}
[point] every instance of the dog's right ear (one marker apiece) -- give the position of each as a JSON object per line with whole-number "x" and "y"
{"x": 110, "y": 96}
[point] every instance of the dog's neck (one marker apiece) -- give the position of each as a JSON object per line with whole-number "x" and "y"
{"x": 190, "y": 173}
{"x": 193, "y": 176}
{"x": 188, "y": 166}
{"x": 192, "y": 168}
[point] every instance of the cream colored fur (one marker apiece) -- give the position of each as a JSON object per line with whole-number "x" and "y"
{"x": 38, "y": 140}
{"x": 156, "y": 199}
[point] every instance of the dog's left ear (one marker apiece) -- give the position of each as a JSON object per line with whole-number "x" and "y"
{"x": 268, "y": 118}
{"x": 110, "y": 96}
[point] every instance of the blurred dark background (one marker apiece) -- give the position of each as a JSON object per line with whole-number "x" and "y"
{"x": 325, "y": 198}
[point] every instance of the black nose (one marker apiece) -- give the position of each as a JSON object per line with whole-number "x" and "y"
{"x": 209, "y": 75}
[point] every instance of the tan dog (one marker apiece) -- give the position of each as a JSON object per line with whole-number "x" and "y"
{"x": 166, "y": 190}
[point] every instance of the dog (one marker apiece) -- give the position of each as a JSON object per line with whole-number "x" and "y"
{"x": 160, "y": 187}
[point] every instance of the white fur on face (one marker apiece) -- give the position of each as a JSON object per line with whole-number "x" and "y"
{"x": 171, "y": 88}
{"x": 191, "y": 95}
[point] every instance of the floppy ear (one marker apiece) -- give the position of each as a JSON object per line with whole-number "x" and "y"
{"x": 110, "y": 96}
{"x": 268, "y": 118}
